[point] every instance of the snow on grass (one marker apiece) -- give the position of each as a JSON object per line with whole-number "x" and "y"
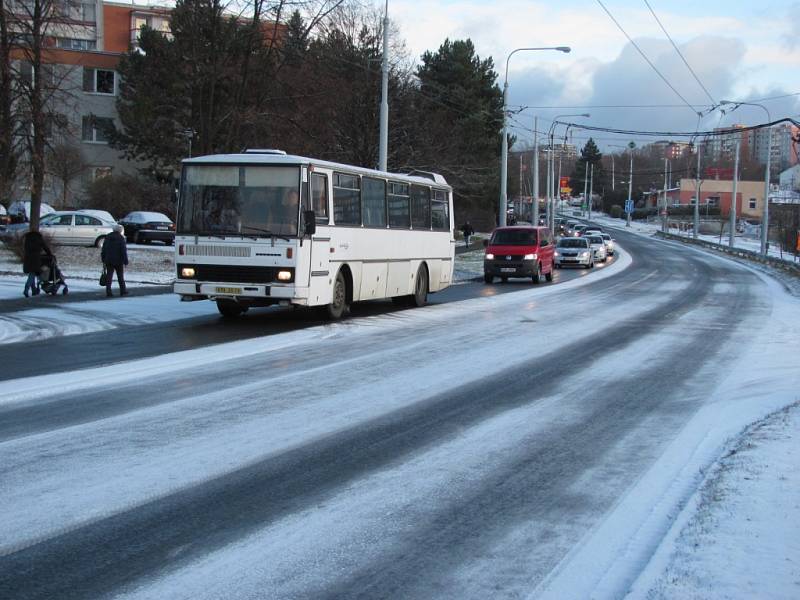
{"x": 739, "y": 537}
{"x": 150, "y": 264}
{"x": 607, "y": 563}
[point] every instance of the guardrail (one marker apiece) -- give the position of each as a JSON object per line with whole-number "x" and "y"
{"x": 784, "y": 265}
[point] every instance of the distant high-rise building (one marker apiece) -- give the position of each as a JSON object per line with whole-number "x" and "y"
{"x": 723, "y": 145}
{"x": 780, "y": 144}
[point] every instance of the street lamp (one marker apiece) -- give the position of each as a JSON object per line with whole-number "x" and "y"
{"x": 504, "y": 153}
{"x": 631, "y": 145}
{"x": 551, "y": 192}
{"x": 765, "y": 211}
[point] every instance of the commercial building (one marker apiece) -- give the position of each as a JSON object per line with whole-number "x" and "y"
{"x": 719, "y": 192}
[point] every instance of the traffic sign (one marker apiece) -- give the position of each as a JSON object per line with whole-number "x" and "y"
{"x": 628, "y": 206}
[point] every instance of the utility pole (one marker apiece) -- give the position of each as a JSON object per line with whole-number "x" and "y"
{"x": 383, "y": 145}
{"x": 612, "y": 172}
{"x": 535, "y": 205}
{"x": 586, "y": 183}
{"x": 664, "y": 207}
{"x": 696, "y": 223}
{"x": 630, "y": 186}
{"x": 732, "y": 212}
{"x": 591, "y": 189}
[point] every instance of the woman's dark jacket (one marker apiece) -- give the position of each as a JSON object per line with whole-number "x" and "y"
{"x": 115, "y": 251}
{"x": 34, "y": 247}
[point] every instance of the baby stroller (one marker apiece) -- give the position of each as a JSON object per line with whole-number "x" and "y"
{"x": 50, "y": 276}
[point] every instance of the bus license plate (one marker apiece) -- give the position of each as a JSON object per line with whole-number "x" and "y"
{"x": 229, "y": 290}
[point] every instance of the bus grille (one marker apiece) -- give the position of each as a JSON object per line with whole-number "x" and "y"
{"x": 215, "y": 250}
{"x": 235, "y": 274}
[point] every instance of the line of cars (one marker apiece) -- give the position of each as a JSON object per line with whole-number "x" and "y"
{"x": 532, "y": 252}
{"x": 87, "y": 227}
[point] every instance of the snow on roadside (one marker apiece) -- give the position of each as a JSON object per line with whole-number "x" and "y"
{"x": 619, "y": 552}
{"x": 739, "y": 537}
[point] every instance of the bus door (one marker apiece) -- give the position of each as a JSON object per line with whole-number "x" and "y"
{"x": 320, "y": 276}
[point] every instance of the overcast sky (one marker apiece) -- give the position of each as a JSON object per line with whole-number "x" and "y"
{"x": 739, "y": 49}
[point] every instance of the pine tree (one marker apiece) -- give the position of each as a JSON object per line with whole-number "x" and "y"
{"x": 590, "y": 155}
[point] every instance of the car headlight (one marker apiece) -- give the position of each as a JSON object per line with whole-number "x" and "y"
{"x": 187, "y": 273}
{"x": 584, "y": 254}
{"x": 529, "y": 256}
{"x": 489, "y": 256}
{"x": 556, "y": 254}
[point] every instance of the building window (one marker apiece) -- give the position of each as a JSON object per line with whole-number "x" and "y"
{"x": 99, "y": 81}
{"x": 712, "y": 201}
{"x": 97, "y": 129}
{"x": 752, "y": 203}
{"x": 74, "y": 44}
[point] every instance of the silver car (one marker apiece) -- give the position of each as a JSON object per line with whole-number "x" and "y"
{"x": 609, "y": 241}
{"x": 573, "y": 251}
{"x": 598, "y": 247}
{"x": 72, "y": 228}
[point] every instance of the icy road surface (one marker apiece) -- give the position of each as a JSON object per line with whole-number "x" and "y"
{"x": 494, "y": 447}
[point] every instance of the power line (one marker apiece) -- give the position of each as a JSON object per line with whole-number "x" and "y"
{"x": 719, "y": 132}
{"x": 674, "y": 45}
{"x": 649, "y": 62}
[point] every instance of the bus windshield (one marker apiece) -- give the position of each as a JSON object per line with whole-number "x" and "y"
{"x": 246, "y": 200}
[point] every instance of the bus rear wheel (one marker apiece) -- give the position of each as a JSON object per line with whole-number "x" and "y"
{"x": 338, "y": 306}
{"x": 420, "y": 295}
{"x": 229, "y": 308}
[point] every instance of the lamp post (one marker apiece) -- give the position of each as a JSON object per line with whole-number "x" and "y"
{"x": 696, "y": 219}
{"x": 504, "y": 151}
{"x": 765, "y": 210}
{"x": 383, "y": 142}
{"x": 631, "y": 145}
{"x": 552, "y": 195}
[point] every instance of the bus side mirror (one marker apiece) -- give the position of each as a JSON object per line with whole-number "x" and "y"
{"x": 310, "y": 222}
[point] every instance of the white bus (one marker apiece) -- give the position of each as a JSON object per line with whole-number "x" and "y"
{"x": 263, "y": 228}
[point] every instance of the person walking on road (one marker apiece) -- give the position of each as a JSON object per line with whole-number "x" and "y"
{"x": 115, "y": 256}
{"x": 33, "y": 248}
{"x": 467, "y": 230}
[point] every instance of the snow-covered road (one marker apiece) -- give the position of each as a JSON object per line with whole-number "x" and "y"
{"x": 476, "y": 449}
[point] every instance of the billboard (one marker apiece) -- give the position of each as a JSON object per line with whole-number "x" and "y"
{"x": 564, "y": 186}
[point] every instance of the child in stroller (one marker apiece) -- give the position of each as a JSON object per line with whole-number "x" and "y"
{"x": 50, "y": 276}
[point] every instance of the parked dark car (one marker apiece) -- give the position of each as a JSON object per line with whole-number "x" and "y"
{"x": 144, "y": 227}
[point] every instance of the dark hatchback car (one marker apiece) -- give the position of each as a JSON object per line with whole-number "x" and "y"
{"x": 144, "y": 227}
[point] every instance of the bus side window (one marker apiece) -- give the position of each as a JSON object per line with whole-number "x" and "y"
{"x": 319, "y": 196}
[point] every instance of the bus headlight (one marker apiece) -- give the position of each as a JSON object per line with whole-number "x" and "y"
{"x": 187, "y": 273}
{"x": 284, "y": 275}
{"x": 529, "y": 257}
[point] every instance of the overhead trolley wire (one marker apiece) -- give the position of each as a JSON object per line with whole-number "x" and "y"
{"x": 649, "y": 62}
{"x": 674, "y": 45}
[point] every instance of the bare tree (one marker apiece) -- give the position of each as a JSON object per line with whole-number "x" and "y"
{"x": 65, "y": 163}
{"x": 9, "y": 154}
{"x": 40, "y": 84}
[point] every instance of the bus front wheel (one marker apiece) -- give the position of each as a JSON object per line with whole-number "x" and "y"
{"x": 338, "y": 306}
{"x": 229, "y": 308}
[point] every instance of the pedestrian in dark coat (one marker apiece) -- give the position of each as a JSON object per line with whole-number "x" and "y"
{"x": 115, "y": 256}
{"x": 34, "y": 247}
{"x": 467, "y": 230}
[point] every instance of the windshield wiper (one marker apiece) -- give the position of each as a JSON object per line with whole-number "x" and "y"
{"x": 267, "y": 231}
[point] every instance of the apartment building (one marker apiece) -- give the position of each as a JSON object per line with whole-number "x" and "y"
{"x": 779, "y": 143}
{"x": 86, "y": 49}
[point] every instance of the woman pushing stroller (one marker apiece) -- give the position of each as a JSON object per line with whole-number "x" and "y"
{"x": 34, "y": 250}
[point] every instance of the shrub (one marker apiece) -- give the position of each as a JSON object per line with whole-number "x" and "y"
{"x": 616, "y": 211}
{"x": 121, "y": 194}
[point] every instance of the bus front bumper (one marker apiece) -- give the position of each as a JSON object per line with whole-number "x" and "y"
{"x": 250, "y": 293}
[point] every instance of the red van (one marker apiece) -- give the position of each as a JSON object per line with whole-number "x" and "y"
{"x": 519, "y": 251}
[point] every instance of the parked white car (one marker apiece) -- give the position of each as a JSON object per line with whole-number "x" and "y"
{"x": 68, "y": 228}
{"x": 103, "y": 215}
{"x": 21, "y": 211}
{"x": 598, "y": 246}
